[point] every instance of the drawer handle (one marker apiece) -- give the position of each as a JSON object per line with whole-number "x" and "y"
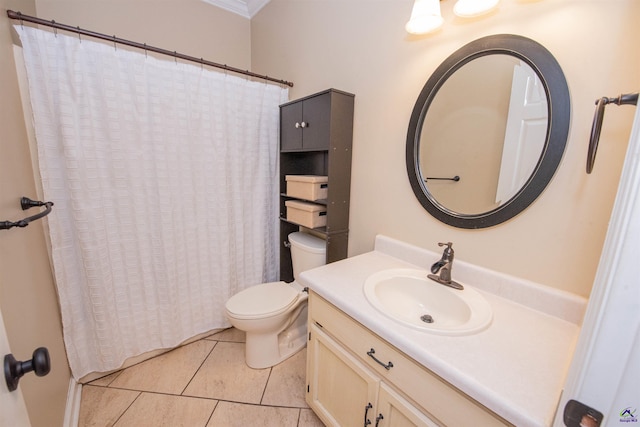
{"x": 366, "y": 411}
{"x": 386, "y": 366}
{"x": 378, "y": 418}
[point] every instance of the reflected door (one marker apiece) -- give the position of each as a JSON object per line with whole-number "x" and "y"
{"x": 525, "y": 132}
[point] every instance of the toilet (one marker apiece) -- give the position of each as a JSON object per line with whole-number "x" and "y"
{"x": 274, "y": 315}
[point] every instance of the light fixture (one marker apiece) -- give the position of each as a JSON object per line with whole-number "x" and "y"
{"x": 473, "y": 8}
{"x": 425, "y": 17}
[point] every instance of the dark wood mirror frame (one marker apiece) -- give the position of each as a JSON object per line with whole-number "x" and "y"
{"x": 559, "y": 118}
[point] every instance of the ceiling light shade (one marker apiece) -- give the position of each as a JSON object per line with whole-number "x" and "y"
{"x": 425, "y": 17}
{"x": 472, "y": 8}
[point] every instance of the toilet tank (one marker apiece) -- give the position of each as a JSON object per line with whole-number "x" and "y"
{"x": 307, "y": 252}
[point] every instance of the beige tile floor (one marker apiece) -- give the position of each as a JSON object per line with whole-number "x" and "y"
{"x": 202, "y": 384}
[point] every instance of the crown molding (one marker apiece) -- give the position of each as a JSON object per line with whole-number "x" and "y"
{"x": 244, "y": 8}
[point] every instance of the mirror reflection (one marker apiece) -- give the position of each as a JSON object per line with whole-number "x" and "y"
{"x": 488, "y": 131}
{"x": 487, "y": 125}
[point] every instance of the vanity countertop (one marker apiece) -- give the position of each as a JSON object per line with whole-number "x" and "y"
{"x": 516, "y": 367}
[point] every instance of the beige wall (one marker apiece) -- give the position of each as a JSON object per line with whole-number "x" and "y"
{"x": 361, "y": 47}
{"x": 27, "y": 293}
{"x": 191, "y": 27}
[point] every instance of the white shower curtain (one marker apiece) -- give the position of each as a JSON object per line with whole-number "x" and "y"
{"x": 164, "y": 177}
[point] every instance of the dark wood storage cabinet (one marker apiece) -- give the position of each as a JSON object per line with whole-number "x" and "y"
{"x": 316, "y": 134}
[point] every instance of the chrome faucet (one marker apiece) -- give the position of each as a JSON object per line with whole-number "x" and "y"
{"x": 444, "y": 266}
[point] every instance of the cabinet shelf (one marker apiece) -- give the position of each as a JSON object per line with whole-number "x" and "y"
{"x": 319, "y": 201}
{"x": 322, "y": 230}
{"x": 316, "y": 135}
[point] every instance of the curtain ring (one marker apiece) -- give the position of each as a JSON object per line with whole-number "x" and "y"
{"x": 145, "y": 51}
{"x": 114, "y": 43}
{"x": 55, "y": 30}
{"x": 175, "y": 56}
{"x": 79, "y": 37}
{"x": 201, "y": 64}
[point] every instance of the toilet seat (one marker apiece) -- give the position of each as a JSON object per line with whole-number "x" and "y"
{"x": 264, "y": 300}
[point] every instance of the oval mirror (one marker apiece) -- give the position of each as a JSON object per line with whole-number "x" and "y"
{"x": 488, "y": 131}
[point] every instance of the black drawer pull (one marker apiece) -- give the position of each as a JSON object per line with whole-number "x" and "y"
{"x": 366, "y": 411}
{"x": 386, "y": 366}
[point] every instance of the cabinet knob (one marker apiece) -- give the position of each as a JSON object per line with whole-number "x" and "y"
{"x": 297, "y": 125}
{"x": 304, "y": 124}
{"x": 14, "y": 370}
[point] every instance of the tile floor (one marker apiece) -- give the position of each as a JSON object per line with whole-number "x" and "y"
{"x": 202, "y": 384}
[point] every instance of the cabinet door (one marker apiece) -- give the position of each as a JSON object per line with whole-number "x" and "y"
{"x": 290, "y": 126}
{"x": 306, "y": 125}
{"x": 341, "y": 391}
{"x": 316, "y": 116}
{"x": 395, "y": 411}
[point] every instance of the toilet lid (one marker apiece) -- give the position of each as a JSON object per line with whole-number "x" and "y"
{"x": 267, "y": 299}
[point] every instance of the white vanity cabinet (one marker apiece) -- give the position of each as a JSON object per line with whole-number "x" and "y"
{"x": 340, "y": 389}
{"x": 355, "y": 378}
{"x": 343, "y": 392}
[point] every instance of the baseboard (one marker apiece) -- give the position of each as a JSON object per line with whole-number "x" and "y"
{"x": 72, "y": 410}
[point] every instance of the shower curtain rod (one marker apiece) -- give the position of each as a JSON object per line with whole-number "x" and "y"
{"x": 19, "y": 16}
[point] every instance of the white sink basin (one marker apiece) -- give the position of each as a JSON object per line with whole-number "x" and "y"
{"x": 409, "y": 297}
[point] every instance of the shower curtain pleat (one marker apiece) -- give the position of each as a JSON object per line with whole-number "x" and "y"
{"x": 164, "y": 177}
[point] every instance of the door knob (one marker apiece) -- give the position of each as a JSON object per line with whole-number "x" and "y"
{"x": 14, "y": 370}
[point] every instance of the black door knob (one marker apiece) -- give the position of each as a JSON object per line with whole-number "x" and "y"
{"x": 14, "y": 370}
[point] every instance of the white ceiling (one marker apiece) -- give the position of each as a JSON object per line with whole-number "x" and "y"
{"x": 245, "y": 8}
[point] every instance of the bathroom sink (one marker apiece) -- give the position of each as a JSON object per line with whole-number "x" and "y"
{"x": 409, "y": 297}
